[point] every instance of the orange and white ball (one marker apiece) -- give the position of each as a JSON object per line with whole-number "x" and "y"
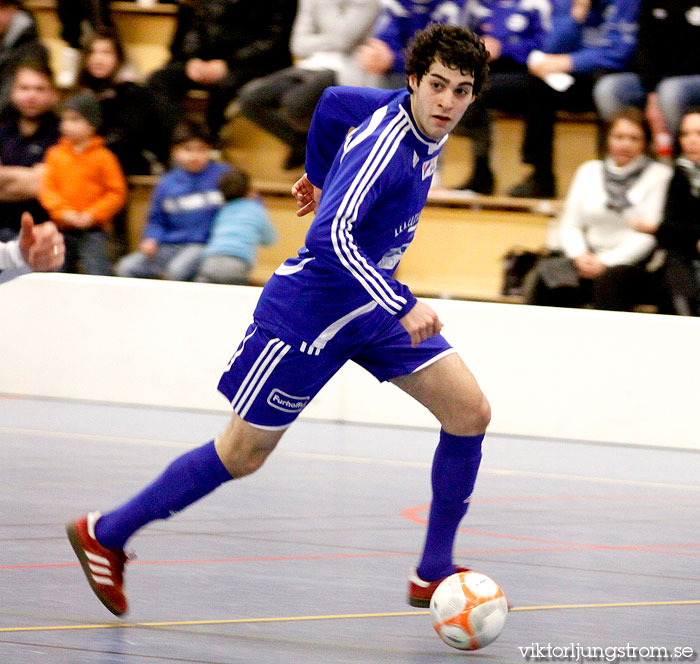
{"x": 468, "y": 610}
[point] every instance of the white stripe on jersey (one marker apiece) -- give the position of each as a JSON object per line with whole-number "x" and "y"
{"x": 380, "y": 155}
{"x": 322, "y": 339}
{"x": 274, "y": 346}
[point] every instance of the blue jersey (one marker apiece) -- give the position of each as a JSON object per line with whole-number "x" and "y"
{"x": 372, "y": 198}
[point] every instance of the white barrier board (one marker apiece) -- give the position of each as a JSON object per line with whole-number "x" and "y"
{"x": 552, "y": 373}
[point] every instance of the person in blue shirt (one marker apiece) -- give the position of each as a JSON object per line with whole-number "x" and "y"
{"x": 181, "y": 211}
{"x": 239, "y": 227}
{"x": 511, "y": 30}
{"x": 588, "y": 39}
{"x": 338, "y": 300}
{"x": 383, "y": 53}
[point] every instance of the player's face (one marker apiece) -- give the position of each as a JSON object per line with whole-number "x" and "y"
{"x": 192, "y": 156}
{"x": 625, "y": 141}
{"x": 32, "y": 93}
{"x": 440, "y": 99}
{"x": 690, "y": 136}
{"x": 102, "y": 61}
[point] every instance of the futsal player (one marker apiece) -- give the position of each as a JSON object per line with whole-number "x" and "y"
{"x": 338, "y": 301}
{"x": 40, "y": 248}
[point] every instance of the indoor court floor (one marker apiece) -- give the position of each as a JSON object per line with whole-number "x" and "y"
{"x": 306, "y": 561}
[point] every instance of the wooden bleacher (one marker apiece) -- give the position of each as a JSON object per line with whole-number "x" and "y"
{"x": 460, "y": 241}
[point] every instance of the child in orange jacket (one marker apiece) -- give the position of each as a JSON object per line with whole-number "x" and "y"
{"x": 83, "y": 187}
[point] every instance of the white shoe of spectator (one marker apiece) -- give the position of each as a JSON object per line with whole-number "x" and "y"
{"x": 68, "y": 67}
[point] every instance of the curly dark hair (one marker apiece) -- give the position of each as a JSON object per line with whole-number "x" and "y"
{"x": 455, "y": 47}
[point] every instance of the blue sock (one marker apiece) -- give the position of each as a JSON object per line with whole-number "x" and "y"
{"x": 455, "y": 465}
{"x": 190, "y": 477}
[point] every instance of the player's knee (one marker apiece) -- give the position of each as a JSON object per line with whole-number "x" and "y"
{"x": 469, "y": 419}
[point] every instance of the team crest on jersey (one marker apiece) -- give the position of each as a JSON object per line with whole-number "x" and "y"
{"x": 429, "y": 167}
{"x": 286, "y": 402}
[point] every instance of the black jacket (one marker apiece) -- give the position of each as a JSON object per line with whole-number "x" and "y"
{"x": 680, "y": 228}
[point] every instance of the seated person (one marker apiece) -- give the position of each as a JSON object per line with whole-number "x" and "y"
{"x": 665, "y": 80}
{"x": 181, "y": 211}
{"x": 382, "y": 55}
{"x": 19, "y": 40}
{"x": 84, "y": 187}
{"x": 679, "y": 231}
{"x": 511, "y": 31}
{"x": 239, "y": 227}
{"x": 588, "y": 39}
{"x": 131, "y": 125}
{"x": 604, "y": 258}
{"x": 224, "y": 45}
{"x": 324, "y": 35}
{"x": 29, "y": 129}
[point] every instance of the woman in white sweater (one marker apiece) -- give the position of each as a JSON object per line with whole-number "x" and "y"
{"x": 604, "y": 257}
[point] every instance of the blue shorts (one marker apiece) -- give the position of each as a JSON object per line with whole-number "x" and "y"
{"x": 269, "y": 382}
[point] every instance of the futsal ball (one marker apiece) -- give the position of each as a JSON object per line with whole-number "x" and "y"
{"x": 468, "y": 610}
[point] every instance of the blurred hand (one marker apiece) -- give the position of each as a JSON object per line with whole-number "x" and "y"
{"x": 644, "y": 226}
{"x": 42, "y": 246}
{"x": 654, "y": 115}
{"x": 375, "y": 56}
{"x": 580, "y": 9}
{"x": 421, "y": 323}
{"x": 551, "y": 63}
{"x": 196, "y": 70}
{"x": 148, "y": 247}
{"x": 493, "y": 46}
{"x": 214, "y": 71}
{"x": 589, "y": 266}
{"x": 306, "y": 194}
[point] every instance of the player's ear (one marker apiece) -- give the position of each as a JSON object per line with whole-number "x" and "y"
{"x": 413, "y": 82}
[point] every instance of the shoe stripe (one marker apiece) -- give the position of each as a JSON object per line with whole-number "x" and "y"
{"x": 103, "y": 580}
{"x": 98, "y": 569}
{"x": 415, "y": 579}
{"x": 93, "y": 557}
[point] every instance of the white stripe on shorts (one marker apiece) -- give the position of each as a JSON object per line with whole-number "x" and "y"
{"x": 258, "y": 374}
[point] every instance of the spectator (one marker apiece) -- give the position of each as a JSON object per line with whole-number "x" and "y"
{"x": 72, "y": 15}
{"x": 227, "y": 44}
{"x": 30, "y": 128}
{"x": 239, "y": 227}
{"x": 665, "y": 80}
{"x": 510, "y": 30}
{"x": 324, "y": 36}
{"x": 588, "y": 39}
{"x": 679, "y": 231}
{"x": 131, "y": 125}
{"x": 382, "y": 55}
{"x": 84, "y": 186}
{"x": 604, "y": 258}
{"x": 181, "y": 212}
{"x": 19, "y": 40}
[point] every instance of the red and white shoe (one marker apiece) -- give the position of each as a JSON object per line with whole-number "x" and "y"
{"x": 103, "y": 567}
{"x": 420, "y": 592}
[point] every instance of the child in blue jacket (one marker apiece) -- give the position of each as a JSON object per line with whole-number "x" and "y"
{"x": 181, "y": 213}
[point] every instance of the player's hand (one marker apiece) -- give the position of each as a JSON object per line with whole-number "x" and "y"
{"x": 580, "y": 9}
{"x": 421, "y": 323}
{"x": 42, "y": 246}
{"x": 306, "y": 194}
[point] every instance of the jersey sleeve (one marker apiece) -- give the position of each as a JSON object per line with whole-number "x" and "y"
{"x": 339, "y": 110}
{"x": 363, "y": 173}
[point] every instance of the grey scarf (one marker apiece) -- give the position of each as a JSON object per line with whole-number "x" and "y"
{"x": 619, "y": 179}
{"x": 692, "y": 172}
